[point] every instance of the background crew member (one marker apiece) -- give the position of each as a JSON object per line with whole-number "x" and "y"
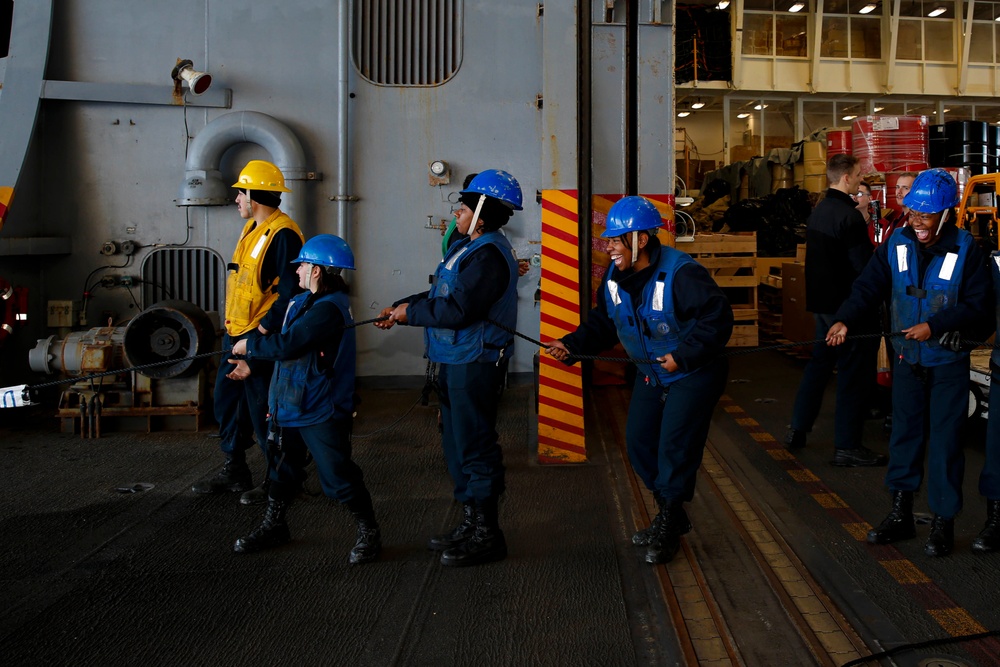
{"x": 899, "y": 216}
{"x": 837, "y": 249}
{"x": 939, "y": 284}
{"x": 261, "y": 280}
{"x": 989, "y": 479}
{"x": 312, "y": 399}
{"x": 661, "y": 305}
{"x": 879, "y": 229}
{"x": 476, "y": 282}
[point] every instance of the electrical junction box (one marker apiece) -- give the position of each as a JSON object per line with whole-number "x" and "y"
{"x": 60, "y": 314}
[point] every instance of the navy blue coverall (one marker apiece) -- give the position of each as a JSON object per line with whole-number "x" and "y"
{"x": 668, "y": 424}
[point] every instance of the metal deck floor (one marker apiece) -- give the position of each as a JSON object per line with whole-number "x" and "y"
{"x": 770, "y": 575}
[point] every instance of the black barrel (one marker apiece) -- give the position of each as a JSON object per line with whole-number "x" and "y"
{"x": 966, "y": 132}
{"x": 937, "y": 146}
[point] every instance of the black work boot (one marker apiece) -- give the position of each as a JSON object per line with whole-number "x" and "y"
{"x": 642, "y": 538}
{"x": 942, "y": 538}
{"x": 272, "y": 532}
{"x": 234, "y": 477}
{"x": 458, "y": 534}
{"x": 258, "y": 494}
{"x": 487, "y": 543}
{"x": 898, "y": 524}
{"x": 368, "y": 544}
{"x": 795, "y": 439}
{"x": 989, "y": 540}
{"x": 666, "y": 542}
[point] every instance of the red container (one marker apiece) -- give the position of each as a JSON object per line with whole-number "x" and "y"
{"x": 890, "y": 143}
{"x": 838, "y": 142}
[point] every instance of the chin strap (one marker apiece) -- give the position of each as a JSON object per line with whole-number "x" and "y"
{"x": 475, "y": 216}
{"x": 944, "y": 216}
{"x": 635, "y": 246}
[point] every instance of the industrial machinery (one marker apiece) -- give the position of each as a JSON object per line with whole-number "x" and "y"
{"x": 158, "y": 380}
{"x": 977, "y": 209}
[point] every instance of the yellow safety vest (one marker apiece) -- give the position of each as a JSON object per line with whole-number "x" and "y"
{"x": 247, "y": 301}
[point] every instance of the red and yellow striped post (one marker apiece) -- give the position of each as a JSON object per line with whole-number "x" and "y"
{"x": 6, "y": 195}
{"x": 560, "y": 387}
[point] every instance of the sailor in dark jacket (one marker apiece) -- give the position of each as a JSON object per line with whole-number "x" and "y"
{"x": 837, "y": 250}
{"x": 311, "y": 400}
{"x": 938, "y": 283}
{"x": 662, "y": 306}
{"x": 475, "y": 285}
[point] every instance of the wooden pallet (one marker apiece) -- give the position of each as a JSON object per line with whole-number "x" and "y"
{"x": 731, "y": 259}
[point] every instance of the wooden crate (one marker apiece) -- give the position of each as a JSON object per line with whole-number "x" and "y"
{"x": 731, "y": 259}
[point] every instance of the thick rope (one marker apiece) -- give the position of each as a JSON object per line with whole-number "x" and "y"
{"x": 731, "y": 353}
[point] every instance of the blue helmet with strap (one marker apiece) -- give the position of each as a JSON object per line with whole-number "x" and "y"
{"x": 631, "y": 214}
{"x": 498, "y": 184}
{"x": 932, "y": 191}
{"x": 326, "y": 250}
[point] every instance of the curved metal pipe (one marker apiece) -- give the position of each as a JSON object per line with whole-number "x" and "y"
{"x": 203, "y": 184}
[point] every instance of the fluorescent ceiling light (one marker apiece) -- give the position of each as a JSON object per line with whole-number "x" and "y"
{"x": 997, "y": 18}
{"x": 760, "y": 106}
{"x": 867, "y": 9}
{"x": 697, "y": 105}
{"x": 848, "y": 118}
{"x": 877, "y": 109}
{"x": 683, "y": 114}
{"x": 745, "y": 114}
{"x": 722, "y": 5}
{"x": 937, "y": 11}
{"x": 797, "y": 7}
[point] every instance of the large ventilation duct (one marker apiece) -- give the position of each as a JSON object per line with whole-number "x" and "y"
{"x": 203, "y": 184}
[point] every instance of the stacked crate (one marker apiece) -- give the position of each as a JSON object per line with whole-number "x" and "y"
{"x": 732, "y": 261}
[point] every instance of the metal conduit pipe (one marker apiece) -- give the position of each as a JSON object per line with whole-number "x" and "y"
{"x": 203, "y": 184}
{"x": 343, "y": 170}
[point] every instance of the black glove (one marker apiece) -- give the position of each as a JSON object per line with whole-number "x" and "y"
{"x": 951, "y": 340}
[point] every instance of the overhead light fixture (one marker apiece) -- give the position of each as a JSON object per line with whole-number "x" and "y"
{"x": 997, "y": 19}
{"x": 683, "y": 114}
{"x": 947, "y": 110}
{"x": 797, "y": 7}
{"x": 760, "y": 106}
{"x": 937, "y": 11}
{"x": 877, "y": 109}
{"x": 697, "y": 105}
{"x": 848, "y": 117}
{"x": 198, "y": 82}
{"x": 722, "y": 5}
{"x": 867, "y": 9}
{"x": 742, "y": 115}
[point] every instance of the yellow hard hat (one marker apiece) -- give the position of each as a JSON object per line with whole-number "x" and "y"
{"x": 261, "y": 175}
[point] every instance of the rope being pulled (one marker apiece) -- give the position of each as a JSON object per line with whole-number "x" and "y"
{"x": 21, "y": 394}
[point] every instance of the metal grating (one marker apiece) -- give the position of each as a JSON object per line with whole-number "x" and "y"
{"x": 197, "y": 275}
{"x": 407, "y": 42}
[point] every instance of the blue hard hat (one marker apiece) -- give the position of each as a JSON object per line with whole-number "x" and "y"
{"x": 326, "y": 250}
{"x": 932, "y": 191}
{"x": 497, "y": 184}
{"x": 631, "y": 214}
